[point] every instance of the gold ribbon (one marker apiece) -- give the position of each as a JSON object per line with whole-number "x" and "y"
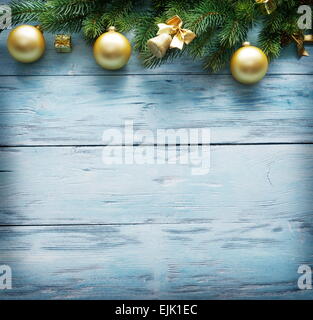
{"x": 300, "y": 41}
{"x": 173, "y": 27}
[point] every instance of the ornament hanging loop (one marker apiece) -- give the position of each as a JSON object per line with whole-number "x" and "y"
{"x": 39, "y": 27}
{"x": 267, "y": 6}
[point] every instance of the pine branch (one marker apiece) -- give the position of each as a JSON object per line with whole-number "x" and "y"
{"x": 93, "y": 26}
{"x": 26, "y": 11}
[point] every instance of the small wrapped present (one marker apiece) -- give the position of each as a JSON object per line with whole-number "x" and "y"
{"x": 63, "y": 43}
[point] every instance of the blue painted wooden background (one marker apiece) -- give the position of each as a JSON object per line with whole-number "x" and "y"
{"x": 73, "y": 227}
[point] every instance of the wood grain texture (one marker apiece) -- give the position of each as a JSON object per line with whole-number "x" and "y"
{"x": 73, "y": 227}
{"x": 255, "y": 184}
{"x": 81, "y": 62}
{"x": 76, "y": 110}
{"x": 221, "y": 260}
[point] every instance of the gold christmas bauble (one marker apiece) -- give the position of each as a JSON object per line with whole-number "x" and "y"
{"x": 26, "y": 43}
{"x": 112, "y": 50}
{"x": 249, "y": 64}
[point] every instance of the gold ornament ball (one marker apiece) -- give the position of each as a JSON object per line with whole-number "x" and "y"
{"x": 26, "y": 44}
{"x": 249, "y": 64}
{"x": 112, "y": 50}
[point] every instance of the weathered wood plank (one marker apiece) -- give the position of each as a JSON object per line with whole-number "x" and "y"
{"x": 81, "y": 62}
{"x": 76, "y": 110}
{"x": 254, "y": 184}
{"x": 220, "y": 260}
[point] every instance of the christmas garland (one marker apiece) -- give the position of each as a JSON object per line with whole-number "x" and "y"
{"x": 211, "y": 30}
{"x": 221, "y": 26}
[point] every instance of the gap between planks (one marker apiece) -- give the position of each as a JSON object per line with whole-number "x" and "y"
{"x": 234, "y": 144}
{"x": 104, "y": 224}
{"x": 148, "y": 74}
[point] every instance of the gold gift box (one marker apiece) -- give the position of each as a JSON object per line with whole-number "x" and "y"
{"x": 63, "y": 43}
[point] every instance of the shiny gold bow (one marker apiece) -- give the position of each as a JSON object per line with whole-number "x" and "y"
{"x": 174, "y": 28}
{"x": 300, "y": 41}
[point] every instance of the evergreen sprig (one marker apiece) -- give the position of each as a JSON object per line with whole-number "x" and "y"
{"x": 221, "y": 25}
